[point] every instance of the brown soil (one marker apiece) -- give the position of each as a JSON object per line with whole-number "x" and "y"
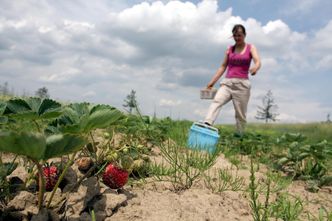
{"x": 157, "y": 200}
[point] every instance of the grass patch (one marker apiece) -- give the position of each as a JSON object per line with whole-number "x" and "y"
{"x": 313, "y": 131}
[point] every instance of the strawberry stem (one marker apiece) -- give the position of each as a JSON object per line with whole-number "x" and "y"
{"x": 93, "y": 142}
{"x": 37, "y": 126}
{"x": 68, "y": 164}
{"x": 41, "y": 184}
{"x": 102, "y": 168}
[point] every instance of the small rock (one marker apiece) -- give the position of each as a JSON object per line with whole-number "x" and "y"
{"x": 78, "y": 201}
{"x": 69, "y": 187}
{"x": 90, "y": 187}
{"x": 100, "y": 215}
{"x": 53, "y": 216}
{"x": 15, "y": 184}
{"x": 70, "y": 178}
{"x": 13, "y": 216}
{"x": 56, "y": 198}
{"x": 109, "y": 202}
{"x": 78, "y": 173}
{"x": 41, "y": 216}
{"x": 22, "y": 200}
{"x": 85, "y": 217}
{"x": 45, "y": 215}
{"x": 19, "y": 172}
{"x": 75, "y": 205}
{"x": 32, "y": 186}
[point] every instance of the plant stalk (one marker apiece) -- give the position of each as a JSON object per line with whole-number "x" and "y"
{"x": 37, "y": 125}
{"x": 41, "y": 184}
{"x": 68, "y": 164}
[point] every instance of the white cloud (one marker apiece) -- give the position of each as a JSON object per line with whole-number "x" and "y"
{"x": 325, "y": 63}
{"x": 89, "y": 94}
{"x": 322, "y": 41}
{"x": 61, "y": 77}
{"x": 169, "y": 103}
{"x": 17, "y": 24}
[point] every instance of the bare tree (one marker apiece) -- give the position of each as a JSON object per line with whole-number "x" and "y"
{"x": 269, "y": 109}
{"x": 130, "y": 101}
{"x": 4, "y": 89}
{"x": 328, "y": 120}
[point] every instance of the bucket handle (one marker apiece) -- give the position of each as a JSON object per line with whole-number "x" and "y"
{"x": 206, "y": 126}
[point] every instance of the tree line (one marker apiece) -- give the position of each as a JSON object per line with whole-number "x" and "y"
{"x": 5, "y": 90}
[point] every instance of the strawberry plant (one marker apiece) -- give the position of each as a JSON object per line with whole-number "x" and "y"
{"x": 3, "y": 119}
{"x": 83, "y": 119}
{"x": 306, "y": 161}
{"x": 38, "y": 148}
{"x": 145, "y": 129}
{"x": 30, "y": 113}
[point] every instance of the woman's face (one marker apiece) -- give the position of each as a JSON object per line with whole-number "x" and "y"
{"x": 239, "y": 36}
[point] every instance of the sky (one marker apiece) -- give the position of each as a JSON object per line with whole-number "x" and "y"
{"x": 98, "y": 51}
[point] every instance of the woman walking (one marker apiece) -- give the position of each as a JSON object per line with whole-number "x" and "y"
{"x": 236, "y": 85}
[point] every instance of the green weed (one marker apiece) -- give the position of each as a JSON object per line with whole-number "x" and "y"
{"x": 223, "y": 180}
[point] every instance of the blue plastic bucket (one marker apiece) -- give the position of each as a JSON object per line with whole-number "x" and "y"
{"x": 203, "y": 137}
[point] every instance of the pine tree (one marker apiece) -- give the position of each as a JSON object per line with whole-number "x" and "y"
{"x": 130, "y": 101}
{"x": 269, "y": 109}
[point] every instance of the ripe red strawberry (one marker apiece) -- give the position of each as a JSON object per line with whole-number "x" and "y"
{"x": 115, "y": 177}
{"x": 50, "y": 173}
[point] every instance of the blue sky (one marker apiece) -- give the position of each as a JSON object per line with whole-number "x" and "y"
{"x": 98, "y": 51}
{"x": 299, "y": 15}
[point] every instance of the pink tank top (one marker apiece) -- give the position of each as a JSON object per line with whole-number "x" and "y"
{"x": 238, "y": 64}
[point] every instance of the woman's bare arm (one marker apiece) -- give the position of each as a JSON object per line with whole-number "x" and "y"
{"x": 257, "y": 60}
{"x": 219, "y": 72}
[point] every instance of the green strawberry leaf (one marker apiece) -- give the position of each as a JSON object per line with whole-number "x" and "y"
{"x": 3, "y": 106}
{"x": 61, "y": 144}
{"x": 283, "y": 161}
{"x": 31, "y": 145}
{"x": 17, "y": 106}
{"x": 37, "y": 146}
{"x": 33, "y": 108}
{"x": 101, "y": 119}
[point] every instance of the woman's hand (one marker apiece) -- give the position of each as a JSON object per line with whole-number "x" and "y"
{"x": 253, "y": 70}
{"x": 209, "y": 86}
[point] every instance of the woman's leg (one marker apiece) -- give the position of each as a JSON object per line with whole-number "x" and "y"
{"x": 240, "y": 95}
{"x": 222, "y": 97}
